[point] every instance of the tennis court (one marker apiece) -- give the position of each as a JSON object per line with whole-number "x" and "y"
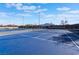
{"x": 39, "y": 42}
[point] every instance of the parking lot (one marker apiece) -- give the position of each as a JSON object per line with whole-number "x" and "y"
{"x": 39, "y": 42}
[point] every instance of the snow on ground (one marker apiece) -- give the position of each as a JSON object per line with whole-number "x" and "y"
{"x": 42, "y": 42}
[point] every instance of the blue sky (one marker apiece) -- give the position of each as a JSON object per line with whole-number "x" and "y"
{"x": 15, "y": 13}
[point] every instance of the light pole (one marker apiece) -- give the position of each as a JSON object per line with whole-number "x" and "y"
{"x": 39, "y": 14}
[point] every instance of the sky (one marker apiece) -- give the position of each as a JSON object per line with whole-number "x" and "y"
{"x": 30, "y": 13}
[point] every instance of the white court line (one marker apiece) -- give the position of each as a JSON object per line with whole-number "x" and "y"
{"x": 72, "y": 41}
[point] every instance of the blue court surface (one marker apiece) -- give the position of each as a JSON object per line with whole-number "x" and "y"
{"x": 40, "y": 42}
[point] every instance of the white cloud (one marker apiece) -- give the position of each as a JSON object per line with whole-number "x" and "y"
{"x": 74, "y": 11}
{"x": 8, "y": 5}
{"x": 61, "y": 16}
{"x": 23, "y": 14}
{"x": 48, "y": 16}
{"x": 18, "y": 6}
{"x": 13, "y": 15}
{"x": 35, "y": 9}
{"x": 3, "y": 14}
{"x": 26, "y": 8}
{"x": 63, "y": 9}
{"x": 40, "y": 10}
{"x": 71, "y": 18}
{"x": 67, "y": 15}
